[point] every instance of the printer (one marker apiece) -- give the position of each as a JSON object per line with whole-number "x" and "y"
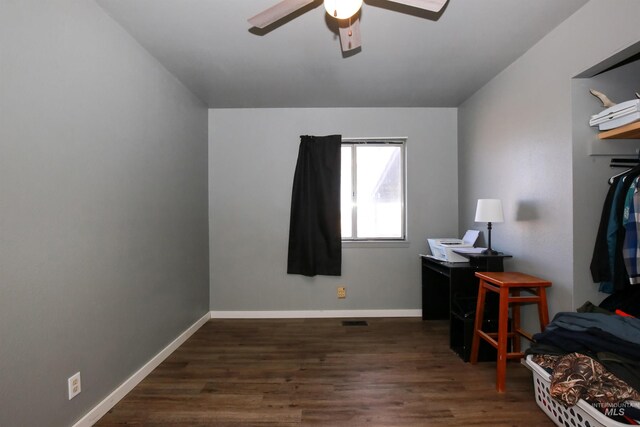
{"x": 443, "y": 249}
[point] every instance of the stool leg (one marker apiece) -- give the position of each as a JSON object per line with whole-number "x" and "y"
{"x": 477, "y": 326}
{"x": 515, "y": 326}
{"x": 503, "y": 320}
{"x": 543, "y": 310}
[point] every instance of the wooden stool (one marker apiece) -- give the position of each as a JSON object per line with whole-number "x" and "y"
{"x": 508, "y": 285}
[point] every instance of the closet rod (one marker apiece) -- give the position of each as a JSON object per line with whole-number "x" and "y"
{"x": 625, "y": 160}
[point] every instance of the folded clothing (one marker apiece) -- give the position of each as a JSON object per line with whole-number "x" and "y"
{"x": 626, "y": 328}
{"x": 587, "y": 341}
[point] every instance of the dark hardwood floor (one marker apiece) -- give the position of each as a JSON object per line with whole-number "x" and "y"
{"x": 393, "y": 372}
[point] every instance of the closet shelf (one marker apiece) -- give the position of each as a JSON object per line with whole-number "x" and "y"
{"x": 630, "y": 131}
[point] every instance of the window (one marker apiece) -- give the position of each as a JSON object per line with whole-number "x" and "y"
{"x": 373, "y": 189}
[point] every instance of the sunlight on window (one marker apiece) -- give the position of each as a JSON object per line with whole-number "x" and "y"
{"x": 377, "y": 171}
{"x": 346, "y": 194}
{"x": 379, "y": 191}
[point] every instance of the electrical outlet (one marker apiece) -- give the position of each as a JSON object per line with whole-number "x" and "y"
{"x": 342, "y": 292}
{"x": 75, "y": 386}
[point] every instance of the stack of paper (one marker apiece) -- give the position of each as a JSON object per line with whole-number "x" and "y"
{"x": 618, "y": 115}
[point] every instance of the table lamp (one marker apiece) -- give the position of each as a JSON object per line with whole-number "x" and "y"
{"x": 489, "y": 210}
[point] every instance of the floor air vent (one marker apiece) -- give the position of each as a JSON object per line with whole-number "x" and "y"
{"x": 354, "y": 323}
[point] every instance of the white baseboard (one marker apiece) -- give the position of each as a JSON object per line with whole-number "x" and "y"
{"x": 308, "y": 314}
{"x": 110, "y": 401}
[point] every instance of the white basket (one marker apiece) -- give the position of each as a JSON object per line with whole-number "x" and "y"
{"x": 580, "y": 415}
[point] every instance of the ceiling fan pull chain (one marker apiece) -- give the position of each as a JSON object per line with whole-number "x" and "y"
{"x": 350, "y": 32}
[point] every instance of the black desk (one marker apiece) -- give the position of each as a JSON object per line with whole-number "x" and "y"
{"x": 450, "y": 291}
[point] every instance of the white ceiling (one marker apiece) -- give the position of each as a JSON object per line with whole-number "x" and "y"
{"x": 408, "y": 58}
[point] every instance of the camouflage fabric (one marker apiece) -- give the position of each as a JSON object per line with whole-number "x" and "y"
{"x": 577, "y": 376}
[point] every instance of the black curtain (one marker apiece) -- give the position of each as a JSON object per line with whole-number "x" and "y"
{"x": 315, "y": 239}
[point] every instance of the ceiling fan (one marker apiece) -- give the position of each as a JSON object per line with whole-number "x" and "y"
{"x": 344, "y": 11}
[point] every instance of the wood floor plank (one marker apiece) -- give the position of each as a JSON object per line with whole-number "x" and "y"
{"x": 293, "y": 372}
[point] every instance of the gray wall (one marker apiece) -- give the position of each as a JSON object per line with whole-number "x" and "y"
{"x": 103, "y": 208}
{"x": 516, "y": 144}
{"x": 252, "y": 155}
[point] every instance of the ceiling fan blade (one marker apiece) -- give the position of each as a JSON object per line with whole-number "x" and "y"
{"x": 349, "y": 34}
{"x": 430, "y": 5}
{"x": 277, "y": 12}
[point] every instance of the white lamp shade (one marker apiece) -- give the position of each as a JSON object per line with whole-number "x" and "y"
{"x": 489, "y": 210}
{"x": 342, "y": 9}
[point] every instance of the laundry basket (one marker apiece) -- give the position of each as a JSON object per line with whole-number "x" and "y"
{"x": 580, "y": 415}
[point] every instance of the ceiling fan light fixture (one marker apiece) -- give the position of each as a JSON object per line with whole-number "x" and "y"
{"x": 342, "y": 9}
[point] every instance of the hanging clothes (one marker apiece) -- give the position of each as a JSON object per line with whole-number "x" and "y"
{"x": 602, "y": 261}
{"x": 615, "y": 222}
{"x": 616, "y": 256}
{"x": 630, "y": 222}
{"x": 621, "y": 275}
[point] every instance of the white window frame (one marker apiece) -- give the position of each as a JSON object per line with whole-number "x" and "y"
{"x": 399, "y": 141}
